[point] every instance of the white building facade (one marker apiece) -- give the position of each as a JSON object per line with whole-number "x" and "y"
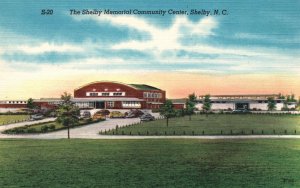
{"x": 245, "y": 102}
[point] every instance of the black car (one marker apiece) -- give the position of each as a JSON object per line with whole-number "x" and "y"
{"x": 147, "y": 117}
{"x": 134, "y": 114}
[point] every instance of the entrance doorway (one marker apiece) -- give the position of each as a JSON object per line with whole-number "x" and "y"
{"x": 99, "y": 105}
{"x": 242, "y": 106}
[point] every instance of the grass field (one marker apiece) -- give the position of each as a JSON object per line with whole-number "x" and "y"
{"x": 150, "y": 163}
{"x": 5, "y": 119}
{"x": 215, "y": 123}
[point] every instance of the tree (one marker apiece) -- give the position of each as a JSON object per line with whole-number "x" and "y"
{"x": 190, "y": 105}
{"x": 67, "y": 112}
{"x": 271, "y": 103}
{"x": 167, "y": 110}
{"x": 288, "y": 98}
{"x": 30, "y": 104}
{"x": 293, "y": 98}
{"x": 280, "y": 96}
{"x": 206, "y": 104}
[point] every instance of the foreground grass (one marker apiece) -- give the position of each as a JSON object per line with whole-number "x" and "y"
{"x": 6, "y": 119}
{"x": 216, "y": 124}
{"x": 150, "y": 163}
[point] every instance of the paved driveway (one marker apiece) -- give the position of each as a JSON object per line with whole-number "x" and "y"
{"x": 87, "y": 131}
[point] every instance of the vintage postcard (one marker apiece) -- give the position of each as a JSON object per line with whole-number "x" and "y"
{"x": 149, "y": 93}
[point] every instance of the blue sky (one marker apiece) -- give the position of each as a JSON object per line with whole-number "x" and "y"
{"x": 254, "y": 38}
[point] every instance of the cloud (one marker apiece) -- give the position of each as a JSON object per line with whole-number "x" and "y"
{"x": 160, "y": 38}
{"x": 169, "y": 38}
{"x": 49, "y": 47}
{"x": 162, "y": 51}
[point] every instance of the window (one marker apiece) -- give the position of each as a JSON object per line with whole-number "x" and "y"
{"x": 93, "y": 94}
{"x": 110, "y": 104}
{"x": 152, "y": 95}
{"x": 117, "y": 94}
{"x": 105, "y": 94}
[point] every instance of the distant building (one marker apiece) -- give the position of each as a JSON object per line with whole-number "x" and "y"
{"x": 249, "y": 102}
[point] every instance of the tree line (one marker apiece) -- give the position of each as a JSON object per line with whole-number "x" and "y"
{"x": 168, "y": 111}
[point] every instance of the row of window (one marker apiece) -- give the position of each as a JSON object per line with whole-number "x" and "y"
{"x": 152, "y": 95}
{"x": 232, "y": 102}
{"x": 105, "y": 94}
{"x": 13, "y": 102}
{"x": 85, "y": 104}
{"x": 55, "y": 102}
{"x": 131, "y": 104}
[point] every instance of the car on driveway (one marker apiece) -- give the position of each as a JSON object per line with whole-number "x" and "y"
{"x": 36, "y": 117}
{"x": 134, "y": 114}
{"x": 116, "y": 114}
{"x": 98, "y": 116}
{"x": 240, "y": 111}
{"x": 86, "y": 114}
{"x": 147, "y": 117}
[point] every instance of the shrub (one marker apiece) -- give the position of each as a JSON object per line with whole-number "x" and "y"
{"x": 155, "y": 110}
{"x": 51, "y": 127}
{"x": 179, "y": 113}
{"x": 31, "y": 130}
{"x": 89, "y": 120}
{"x": 44, "y": 128}
{"x": 19, "y": 130}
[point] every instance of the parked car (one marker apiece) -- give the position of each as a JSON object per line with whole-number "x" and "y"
{"x": 134, "y": 114}
{"x": 104, "y": 112}
{"x": 86, "y": 114}
{"x": 98, "y": 116}
{"x": 36, "y": 117}
{"x": 240, "y": 111}
{"x": 147, "y": 117}
{"x": 116, "y": 114}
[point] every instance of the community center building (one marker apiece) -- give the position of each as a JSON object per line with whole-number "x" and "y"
{"x": 116, "y": 95}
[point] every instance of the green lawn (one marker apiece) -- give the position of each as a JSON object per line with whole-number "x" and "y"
{"x": 215, "y": 123}
{"x": 6, "y": 119}
{"x": 150, "y": 163}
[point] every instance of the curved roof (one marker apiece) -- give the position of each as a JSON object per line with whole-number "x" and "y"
{"x": 134, "y": 86}
{"x": 143, "y": 87}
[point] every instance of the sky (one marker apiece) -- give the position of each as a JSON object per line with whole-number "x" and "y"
{"x": 253, "y": 49}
